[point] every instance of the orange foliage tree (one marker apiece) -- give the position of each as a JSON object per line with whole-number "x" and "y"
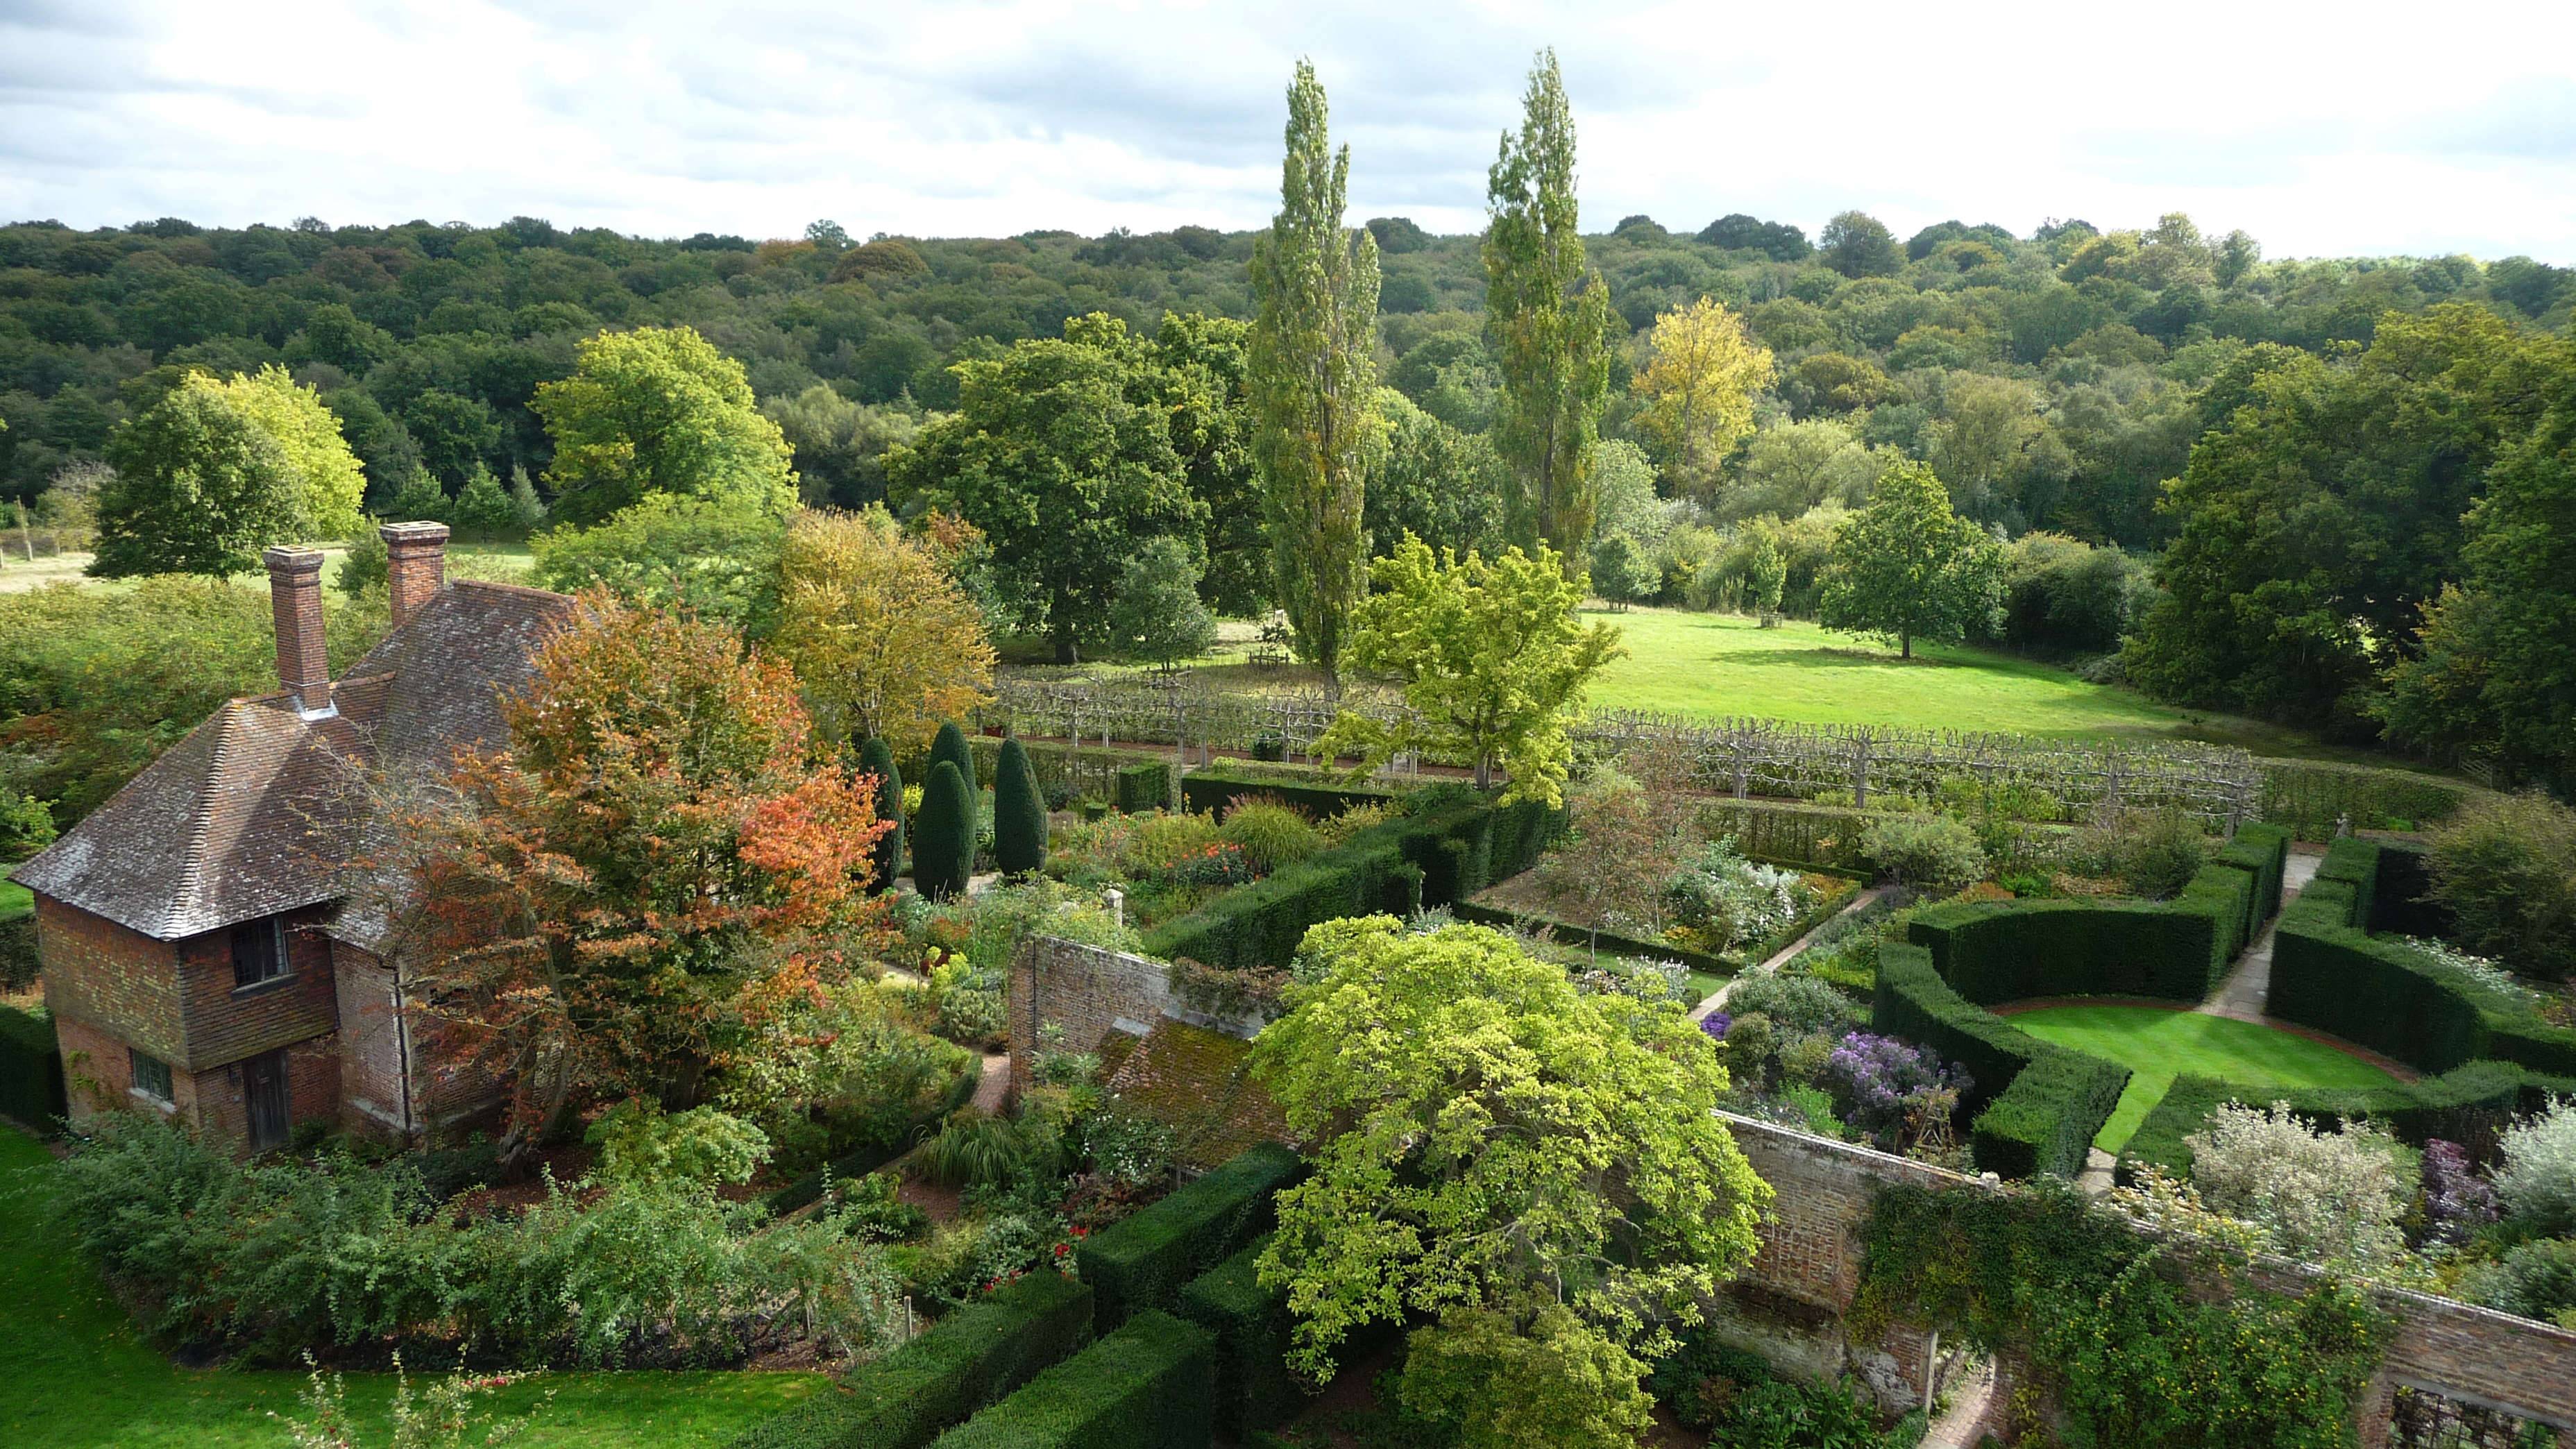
{"x": 657, "y": 862}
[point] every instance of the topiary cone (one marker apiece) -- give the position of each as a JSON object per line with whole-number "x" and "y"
{"x": 876, "y": 757}
{"x": 1019, "y": 813}
{"x": 943, "y": 835}
{"x": 950, "y": 745}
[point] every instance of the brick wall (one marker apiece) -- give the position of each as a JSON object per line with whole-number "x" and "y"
{"x": 122, "y": 982}
{"x": 1092, "y": 992}
{"x": 225, "y": 1024}
{"x": 371, "y": 1045}
{"x": 312, "y": 1090}
{"x": 99, "y": 1074}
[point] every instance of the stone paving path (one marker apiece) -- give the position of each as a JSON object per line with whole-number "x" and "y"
{"x": 1716, "y": 1000}
{"x": 1964, "y": 1422}
{"x": 993, "y": 1086}
{"x": 2248, "y": 988}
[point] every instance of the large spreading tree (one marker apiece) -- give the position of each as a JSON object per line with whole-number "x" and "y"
{"x": 215, "y": 472}
{"x": 654, "y": 866}
{"x": 1906, "y": 567}
{"x": 885, "y": 642}
{"x": 1549, "y": 317}
{"x": 660, "y": 410}
{"x": 1541, "y": 1170}
{"x": 1060, "y": 451}
{"x": 1698, "y": 387}
{"x": 1492, "y": 659}
{"x": 1313, "y": 375}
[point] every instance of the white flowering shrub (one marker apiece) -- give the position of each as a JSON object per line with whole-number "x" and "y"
{"x": 2325, "y": 1197}
{"x": 2537, "y": 1182}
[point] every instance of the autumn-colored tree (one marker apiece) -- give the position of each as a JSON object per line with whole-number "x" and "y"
{"x": 883, "y": 639}
{"x": 653, "y": 865}
{"x": 660, "y": 410}
{"x": 1698, "y": 388}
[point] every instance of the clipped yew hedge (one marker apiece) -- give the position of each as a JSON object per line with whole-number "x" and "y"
{"x": 1254, "y": 1388}
{"x": 1143, "y": 787}
{"x": 31, "y": 1070}
{"x": 1997, "y": 951}
{"x": 1214, "y": 787}
{"x": 966, "y": 1360}
{"x": 1144, "y": 1261}
{"x": 2033, "y": 1106}
{"x": 1150, "y": 1385}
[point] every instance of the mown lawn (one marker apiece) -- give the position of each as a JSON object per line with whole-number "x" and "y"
{"x": 74, "y": 1373}
{"x": 18, "y": 574}
{"x": 2158, "y": 1045}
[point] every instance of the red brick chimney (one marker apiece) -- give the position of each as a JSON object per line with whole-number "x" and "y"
{"x": 295, "y": 598}
{"x": 415, "y": 565}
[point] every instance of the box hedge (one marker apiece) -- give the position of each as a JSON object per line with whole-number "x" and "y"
{"x": 31, "y": 1070}
{"x": 1144, "y": 786}
{"x": 2033, "y": 1107}
{"x": 1997, "y": 951}
{"x": 1214, "y": 787}
{"x": 1150, "y": 1385}
{"x": 2353, "y": 861}
{"x": 1254, "y": 1387}
{"x": 970, "y": 1358}
{"x": 1144, "y": 1261}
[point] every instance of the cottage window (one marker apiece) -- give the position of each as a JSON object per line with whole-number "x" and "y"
{"x": 151, "y": 1075}
{"x": 259, "y": 952}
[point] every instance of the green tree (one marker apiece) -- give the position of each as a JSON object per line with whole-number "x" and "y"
{"x": 1313, "y": 374}
{"x": 1158, "y": 618}
{"x": 840, "y": 445}
{"x": 1766, "y": 572}
{"x": 660, "y": 411}
{"x": 950, "y": 745}
{"x": 876, "y": 759}
{"x": 1492, "y": 660}
{"x": 1429, "y": 479}
{"x": 1019, "y": 813}
{"x": 1549, "y": 317}
{"x": 1061, "y": 453}
{"x": 943, "y": 837}
{"x": 1858, "y": 244}
{"x": 201, "y": 488}
{"x": 1202, "y": 370}
{"x": 719, "y": 561}
{"x": 1621, "y": 572}
{"x": 1490, "y": 1142}
{"x": 1907, "y": 568}
{"x": 482, "y": 510}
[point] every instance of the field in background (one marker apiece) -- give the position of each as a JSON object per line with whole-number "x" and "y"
{"x": 18, "y": 574}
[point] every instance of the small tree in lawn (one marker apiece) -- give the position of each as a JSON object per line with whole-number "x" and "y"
{"x": 611, "y": 903}
{"x": 943, "y": 835}
{"x": 1906, "y": 567}
{"x": 1540, "y": 1168}
{"x": 876, "y": 758}
{"x": 1019, "y": 813}
{"x": 481, "y": 509}
{"x": 1766, "y": 573}
{"x": 1621, "y": 572}
{"x": 1492, "y": 659}
{"x": 1157, "y": 617}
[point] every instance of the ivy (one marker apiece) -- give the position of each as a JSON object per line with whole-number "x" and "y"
{"x": 2132, "y": 1358}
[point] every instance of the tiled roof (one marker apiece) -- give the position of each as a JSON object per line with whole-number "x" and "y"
{"x": 1194, "y": 1081}
{"x": 254, "y": 812}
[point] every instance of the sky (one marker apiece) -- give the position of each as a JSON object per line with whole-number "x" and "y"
{"x": 2322, "y": 130}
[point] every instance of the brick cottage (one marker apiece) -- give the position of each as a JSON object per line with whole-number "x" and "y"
{"x": 206, "y": 951}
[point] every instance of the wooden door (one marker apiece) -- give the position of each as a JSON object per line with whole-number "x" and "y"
{"x": 264, "y": 1089}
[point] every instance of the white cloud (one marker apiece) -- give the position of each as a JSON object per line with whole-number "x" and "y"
{"x": 2322, "y": 133}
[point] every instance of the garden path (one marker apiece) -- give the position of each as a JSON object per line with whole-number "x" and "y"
{"x": 1963, "y": 1425}
{"x": 2248, "y": 988}
{"x": 993, "y": 1086}
{"x": 1716, "y": 1000}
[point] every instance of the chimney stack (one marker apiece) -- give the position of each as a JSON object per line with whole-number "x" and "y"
{"x": 295, "y": 598}
{"x": 415, "y": 565}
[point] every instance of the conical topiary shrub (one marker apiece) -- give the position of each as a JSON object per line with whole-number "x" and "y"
{"x": 950, "y": 745}
{"x": 1019, "y": 813}
{"x": 876, "y": 757}
{"x": 943, "y": 834}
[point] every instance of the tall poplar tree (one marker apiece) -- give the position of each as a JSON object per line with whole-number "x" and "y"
{"x": 1313, "y": 373}
{"x": 1549, "y": 318}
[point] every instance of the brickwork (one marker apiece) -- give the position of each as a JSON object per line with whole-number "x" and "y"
{"x": 118, "y": 980}
{"x": 295, "y": 604}
{"x": 415, "y": 566}
{"x": 226, "y": 1023}
{"x": 372, "y": 1048}
{"x": 1091, "y": 993}
{"x": 312, "y": 1090}
{"x": 98, "y": 1074}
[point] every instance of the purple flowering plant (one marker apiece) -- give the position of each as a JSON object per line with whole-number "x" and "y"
{"x": 1896, "y": 1090}
{"x": 2457, "y": 1201}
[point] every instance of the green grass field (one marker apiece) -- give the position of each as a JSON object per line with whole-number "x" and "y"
{"x": 75, "y": 1374}
{"x": 18, "y": 574}
{"x": 2158, "y": 1045}
{"x": 15, "y": 900}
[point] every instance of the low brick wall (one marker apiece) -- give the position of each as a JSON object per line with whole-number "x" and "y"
{"x": 1091, "y": 993}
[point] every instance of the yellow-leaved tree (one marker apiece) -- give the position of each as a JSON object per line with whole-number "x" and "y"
{"x": 883, "y": 640}
{"x": 1697, "y": 388}
{"x": 328, "y": 485}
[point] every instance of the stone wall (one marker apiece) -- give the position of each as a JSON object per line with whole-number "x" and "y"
{"x": 1091, "y": 993}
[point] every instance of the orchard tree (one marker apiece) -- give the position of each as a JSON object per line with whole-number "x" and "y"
{"x": 660, "y": 411}
{"x": 886, "y": 644}
{"x": 1527, "y": 1161}
{"x": 1549, "y": 317}
{"x": 1060, "y": 452}
{"x": 1492, "y": 660}
{"x": 217, "y": 471}
{"x": 614, "y": 900}
{"x": 1313, "y": 373}
{"x": 1698, "y": 385}
{"x": 1906, "y": 567}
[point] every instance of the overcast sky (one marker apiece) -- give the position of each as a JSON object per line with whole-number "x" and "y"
{"x": 2323, "y": 129}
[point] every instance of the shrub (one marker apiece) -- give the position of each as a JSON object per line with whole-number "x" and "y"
{"x": 2318, "y": 1196}
{"x": 2536, "y": 1184}
{"x": 1270, "y": 832}
{"x": 1150, "y": 1385}
{"x": 977, "y": 1151}
{"x": 1254, "y": 1388}
{"x": 975, "y": 1355}
{"x": 1143, "y": 1261}
{"x": 638, "y": 1142}
{"x": 1931, "y": 854}
{"x": 1144, "y": 787}
{"x": 2155, "y": 853}
{"x": 31, "y": 1069}
{"x": 2535, "y": 1280}
{"x": 943, "y": 842}
{"x": 1798, "y": 1005}
{"x": 2506, "y": 871}
{"x": 876, "y": 757}
{"x": 1019, "y": 814}
{"x": 1897, "y": 1092}
{"x": 951, "y": 744}
{"x": 2457, "y": 1201}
